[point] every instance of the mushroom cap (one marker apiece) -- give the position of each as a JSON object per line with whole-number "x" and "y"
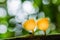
{"x": 29, "y": 24}
{"x": 43, "y": 24}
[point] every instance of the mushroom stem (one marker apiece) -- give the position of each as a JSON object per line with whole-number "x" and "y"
{"x": 32, "y": 32}
{"x": 44, "y": 34}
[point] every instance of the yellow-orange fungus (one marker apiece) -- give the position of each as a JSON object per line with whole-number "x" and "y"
{"x": 29, "y": 24}
{"x": 43, "y": 24}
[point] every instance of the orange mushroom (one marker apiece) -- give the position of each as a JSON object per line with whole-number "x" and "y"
{"x": 43, "y": 24}
{"x": 29, "y": 25}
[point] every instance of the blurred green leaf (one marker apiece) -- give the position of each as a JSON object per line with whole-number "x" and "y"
{"x": 38, "y": 2}
{"x": 24, "y": 32}
{"x": 7, "y": 35}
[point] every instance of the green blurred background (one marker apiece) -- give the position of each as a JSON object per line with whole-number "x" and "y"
{"x": 11, "y": 19}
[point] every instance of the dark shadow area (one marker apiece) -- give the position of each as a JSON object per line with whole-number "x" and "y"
{"x": 50, "y": 37}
